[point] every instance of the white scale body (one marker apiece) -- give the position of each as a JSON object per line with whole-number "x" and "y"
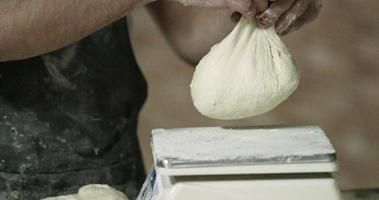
{"x": 257, "y": 163}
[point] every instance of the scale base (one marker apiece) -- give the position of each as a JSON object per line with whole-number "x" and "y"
{"x": 247, "y": 187}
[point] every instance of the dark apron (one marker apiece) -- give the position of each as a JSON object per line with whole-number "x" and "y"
{"x": 68, "y": 118}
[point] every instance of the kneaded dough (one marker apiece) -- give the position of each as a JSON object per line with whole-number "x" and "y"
{"x": 100, "y": 192}
{"x": 66, "y": 197}
{"x": 248, "y": 73}
{"x": 93, "y": 192}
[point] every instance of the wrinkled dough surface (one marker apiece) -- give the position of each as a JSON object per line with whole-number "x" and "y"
{"x": 248, "y": 73}
{"x": 93, "y": 192}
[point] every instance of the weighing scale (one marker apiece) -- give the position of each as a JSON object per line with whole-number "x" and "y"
{"x": 241, "y": 163}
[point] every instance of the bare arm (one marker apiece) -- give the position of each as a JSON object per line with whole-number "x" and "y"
{"x": 33, "y": 27}
{"x": 191, "y": 31}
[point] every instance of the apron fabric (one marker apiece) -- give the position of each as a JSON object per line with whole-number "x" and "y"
{"x": 68, "y": 118}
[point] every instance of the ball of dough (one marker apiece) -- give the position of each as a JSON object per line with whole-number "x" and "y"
{"x": 248, "y": 73}
{"x": 93, "y": 192}
{"x": 100, "y": 192}
{"x": 66, "y": 197}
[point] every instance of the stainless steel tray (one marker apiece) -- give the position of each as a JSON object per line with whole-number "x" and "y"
{"x": 238, "y": 146}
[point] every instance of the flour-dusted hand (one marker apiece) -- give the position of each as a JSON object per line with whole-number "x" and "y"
{"x": 289, "y": 15}
{"x": 248, "y": 8}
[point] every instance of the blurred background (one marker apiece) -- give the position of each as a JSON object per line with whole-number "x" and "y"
{"x": 338, "y": 58}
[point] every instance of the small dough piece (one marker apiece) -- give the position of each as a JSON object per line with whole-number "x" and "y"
{"x": 93, "y": 192}
{"x": 100, "y": 192}
{"x": 66, "y": 197}
{"x": 248, "y": 73}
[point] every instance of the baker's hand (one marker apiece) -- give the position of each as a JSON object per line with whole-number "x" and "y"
{"x": 248, "y": 8}
{"x": 289, "y": 15}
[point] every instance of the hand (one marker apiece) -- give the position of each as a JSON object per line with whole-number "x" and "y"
{"x": 289, "y": 15}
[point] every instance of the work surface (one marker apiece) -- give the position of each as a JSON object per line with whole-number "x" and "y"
{"x": 218, "y": 146}
{"x": 369, "y": 194}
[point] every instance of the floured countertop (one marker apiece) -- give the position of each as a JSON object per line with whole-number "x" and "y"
{"x": 229, "y": 146}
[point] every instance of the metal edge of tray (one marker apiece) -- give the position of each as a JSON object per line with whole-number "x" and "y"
{"x": 172, "y": 163}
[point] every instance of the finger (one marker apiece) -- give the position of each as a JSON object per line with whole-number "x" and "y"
{"x": 309, "y": 15}
{"x": 260, "y": 5}
{"x": 272, "y": 14}
{"x": 291, "y": 15}
{"x": 245, "y": 7}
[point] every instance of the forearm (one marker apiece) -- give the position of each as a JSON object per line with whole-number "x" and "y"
{"x": 33, "y": 27}
{"x": 191, "y": 31}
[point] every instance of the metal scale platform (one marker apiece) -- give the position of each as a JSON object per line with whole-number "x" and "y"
{"x": 229, "y": 163}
